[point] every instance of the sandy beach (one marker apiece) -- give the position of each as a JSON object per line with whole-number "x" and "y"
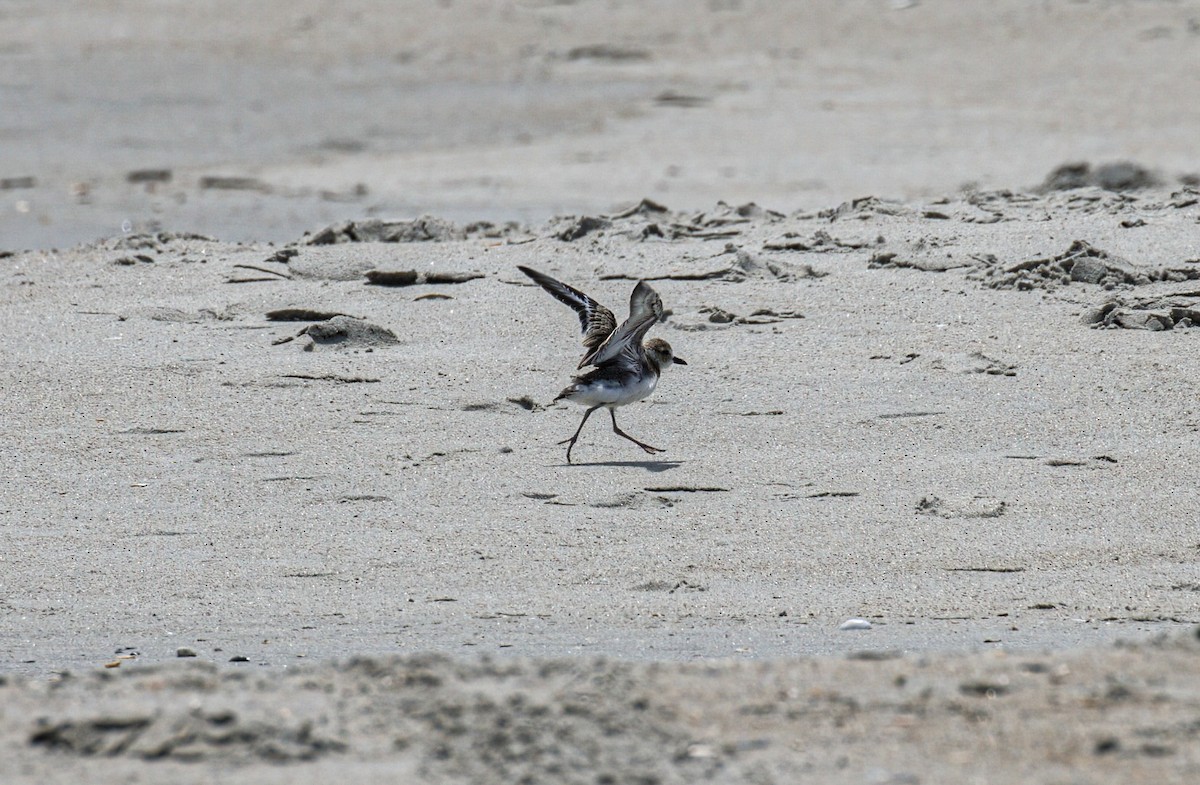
{"x": 282, "y": 497}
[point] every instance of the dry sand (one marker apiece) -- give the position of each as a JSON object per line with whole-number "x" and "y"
{"x": 965, "y": 415}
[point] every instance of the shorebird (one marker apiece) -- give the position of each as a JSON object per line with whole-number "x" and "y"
{"x": 626, "y": 370}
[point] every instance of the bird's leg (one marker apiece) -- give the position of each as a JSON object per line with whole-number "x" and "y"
{"x": 571, "y": 442}
{"x": 619, "y": 432}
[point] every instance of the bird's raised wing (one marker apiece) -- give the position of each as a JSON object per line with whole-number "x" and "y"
{"x": 645, "y": 308}
{"x": 596, "y": 321}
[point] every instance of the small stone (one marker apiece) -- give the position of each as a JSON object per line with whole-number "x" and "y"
{"x": 855, "y": 624}
{"x": 148, "y": 176}
{"x": 185, "y": 651}
{"x": 718, "y": 315}
{"x": 7, "y": 183}
{"x": 349, "y": 332}
{"x": 239, "y": 658}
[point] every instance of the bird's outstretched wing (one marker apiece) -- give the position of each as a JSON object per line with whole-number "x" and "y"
{"x": 625, "y": 343}
{"x": 597, "y": 322}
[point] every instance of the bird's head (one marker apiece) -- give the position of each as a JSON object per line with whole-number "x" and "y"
{"x": 660, "y": 352}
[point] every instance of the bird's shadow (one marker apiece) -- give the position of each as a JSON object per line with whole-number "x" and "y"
{"x": 650, "y": 466}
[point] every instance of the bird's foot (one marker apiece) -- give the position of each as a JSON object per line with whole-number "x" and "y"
{"x": 570, "y": 444}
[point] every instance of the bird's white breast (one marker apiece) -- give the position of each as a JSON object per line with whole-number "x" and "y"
{"x": 606, "y": 392}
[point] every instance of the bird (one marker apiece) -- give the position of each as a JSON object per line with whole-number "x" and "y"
{"x": 626, "y": 370}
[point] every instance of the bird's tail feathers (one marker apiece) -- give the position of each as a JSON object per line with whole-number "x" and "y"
{"x": 566, "y": 393}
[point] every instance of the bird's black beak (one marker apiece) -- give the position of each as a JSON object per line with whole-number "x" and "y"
{"x": 678, "y": 361}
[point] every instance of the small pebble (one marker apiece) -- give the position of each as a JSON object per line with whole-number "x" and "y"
{"x": 855, "y": 624}
{"x": 185, "y": 651}
{"x": 239, "y": 658}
